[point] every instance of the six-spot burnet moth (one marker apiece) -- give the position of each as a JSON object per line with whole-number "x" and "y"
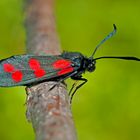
{"x": 26, "y": 70}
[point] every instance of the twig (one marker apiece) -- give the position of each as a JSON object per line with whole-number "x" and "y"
{"x": 48, "y": 111}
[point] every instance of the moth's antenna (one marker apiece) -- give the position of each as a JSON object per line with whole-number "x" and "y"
{"x": 106, "y": 38}
{"x": 119, "y": 57}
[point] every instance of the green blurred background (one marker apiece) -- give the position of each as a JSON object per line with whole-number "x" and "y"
{"x": 107, "y": 107}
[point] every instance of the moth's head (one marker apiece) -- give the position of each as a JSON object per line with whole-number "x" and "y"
{"x": 90, "y": 65}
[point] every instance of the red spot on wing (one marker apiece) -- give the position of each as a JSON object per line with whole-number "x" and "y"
{"x": 8, "y": 67}
{"x": 34, "y": 64}
{"x": 65, "y": 71}
{"x": 39, "y": 73}
{"x": 61, "y": 64}
{"x": 17, "y": 76}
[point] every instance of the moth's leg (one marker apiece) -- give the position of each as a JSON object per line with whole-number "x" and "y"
{"x": 61, "y": 80}
{"x": 80, "y": 79}
{"x": 73, "y": 86}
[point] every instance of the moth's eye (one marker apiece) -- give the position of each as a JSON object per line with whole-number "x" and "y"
{"x": 91, "y": 67}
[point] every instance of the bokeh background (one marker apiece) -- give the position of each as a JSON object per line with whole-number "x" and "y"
{"x": 108, "y": 106}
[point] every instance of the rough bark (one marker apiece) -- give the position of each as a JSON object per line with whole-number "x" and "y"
{"x": 48, "y": 111}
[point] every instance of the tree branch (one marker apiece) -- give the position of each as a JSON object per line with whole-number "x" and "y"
{"x": 48, "y": 111}
{"x": 40, "y": 27}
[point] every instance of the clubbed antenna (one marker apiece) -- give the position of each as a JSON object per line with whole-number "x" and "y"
{"x": 106, "y": 38}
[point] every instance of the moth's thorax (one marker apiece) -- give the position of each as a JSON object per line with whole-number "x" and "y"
{"x": 75, "y": 57}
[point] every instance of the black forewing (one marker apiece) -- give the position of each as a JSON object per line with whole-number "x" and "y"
{"x": 20, "y": 63}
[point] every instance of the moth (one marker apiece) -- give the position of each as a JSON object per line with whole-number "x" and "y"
{"x": 26, "y": 70}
